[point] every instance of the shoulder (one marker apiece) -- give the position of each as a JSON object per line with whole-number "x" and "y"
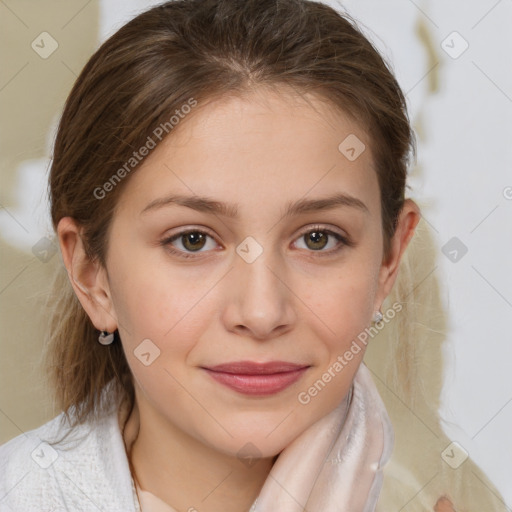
{"x": 59, "y": 467}
{"x": 23, "y": 461}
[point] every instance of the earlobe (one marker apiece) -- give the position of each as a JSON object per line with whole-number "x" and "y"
{"x": 88, "y": 278}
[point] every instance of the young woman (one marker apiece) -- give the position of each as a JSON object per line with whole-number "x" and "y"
{"x": 227, "y": 188}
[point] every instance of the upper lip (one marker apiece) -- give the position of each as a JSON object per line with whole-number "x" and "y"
{"x": 255, "y": 368}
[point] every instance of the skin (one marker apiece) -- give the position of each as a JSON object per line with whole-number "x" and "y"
{"x": 444, "y": 505}
{"x": 297, "y": 301}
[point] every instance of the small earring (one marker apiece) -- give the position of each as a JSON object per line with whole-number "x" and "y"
{"x": 377, "y": 317}
{"x": 106, "y": 338}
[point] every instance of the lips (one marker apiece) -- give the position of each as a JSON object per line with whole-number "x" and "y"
{"x": 253, "y": 378}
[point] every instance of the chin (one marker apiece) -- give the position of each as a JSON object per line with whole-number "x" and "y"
{"x": 257, "y": 435}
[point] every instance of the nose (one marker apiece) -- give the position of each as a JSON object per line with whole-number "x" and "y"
{"x": 260, "y": 304}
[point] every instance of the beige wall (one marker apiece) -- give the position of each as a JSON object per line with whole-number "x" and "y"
{"x": 32, "y": 93}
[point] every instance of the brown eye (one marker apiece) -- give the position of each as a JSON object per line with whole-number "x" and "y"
{"x": 186, "y": 243}
{"x": 316, "y": 240}
{"x": 193, "y": 241}
{"x": 322, "y": 241}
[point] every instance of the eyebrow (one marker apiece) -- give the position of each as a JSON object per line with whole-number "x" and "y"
{"x": 208, "y": 205}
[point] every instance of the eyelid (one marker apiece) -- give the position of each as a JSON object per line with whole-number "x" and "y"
{"x": 166, "y": 241}
{"x": 344, "y": 240}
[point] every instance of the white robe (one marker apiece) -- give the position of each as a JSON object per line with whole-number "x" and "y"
{"x": 91, "y": 475}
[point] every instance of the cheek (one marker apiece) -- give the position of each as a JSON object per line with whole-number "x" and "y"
{"x": 343, "y": 300}
{"x": 344, "y": 306}
{"x": 160, "y": 304}
{"x": 172, "y": 315}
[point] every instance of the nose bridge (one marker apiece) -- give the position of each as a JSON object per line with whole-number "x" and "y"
{"x": 260, "y": 301}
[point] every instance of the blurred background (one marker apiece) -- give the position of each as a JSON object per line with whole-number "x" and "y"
{"x": 453, "y": 62}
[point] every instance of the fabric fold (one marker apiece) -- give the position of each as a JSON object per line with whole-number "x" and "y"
{"x": 336, "y": 464}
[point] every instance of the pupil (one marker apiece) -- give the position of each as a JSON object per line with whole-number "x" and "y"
{"x": 317, "y": 237}
{"x": 194, "y": 239}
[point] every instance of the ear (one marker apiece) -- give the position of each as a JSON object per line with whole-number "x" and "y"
{"x": 407, "y": 222}
{"x": 88, "y": 278}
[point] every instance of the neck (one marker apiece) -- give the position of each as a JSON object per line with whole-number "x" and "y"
{"x": 185, "y": 473}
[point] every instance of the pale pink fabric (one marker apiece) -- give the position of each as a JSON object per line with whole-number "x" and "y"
{"x": 335, "y": 465}
{"x": 151, "y": 503}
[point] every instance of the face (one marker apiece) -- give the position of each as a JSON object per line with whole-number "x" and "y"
{"x": 271, "y": 252}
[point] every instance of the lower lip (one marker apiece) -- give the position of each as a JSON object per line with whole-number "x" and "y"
{"x": 260, "y": 385}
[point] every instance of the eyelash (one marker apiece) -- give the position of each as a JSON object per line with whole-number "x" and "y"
{"x": 343, "y": 241}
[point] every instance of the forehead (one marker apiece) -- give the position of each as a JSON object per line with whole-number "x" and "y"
{"x": 259, "y": 144}
{"x": 278, "y": 113}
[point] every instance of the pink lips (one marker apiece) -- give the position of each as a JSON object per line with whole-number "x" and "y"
{"x": 253, "y": 378}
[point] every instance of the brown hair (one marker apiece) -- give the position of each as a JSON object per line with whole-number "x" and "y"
{"x": 153, "y": 66}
